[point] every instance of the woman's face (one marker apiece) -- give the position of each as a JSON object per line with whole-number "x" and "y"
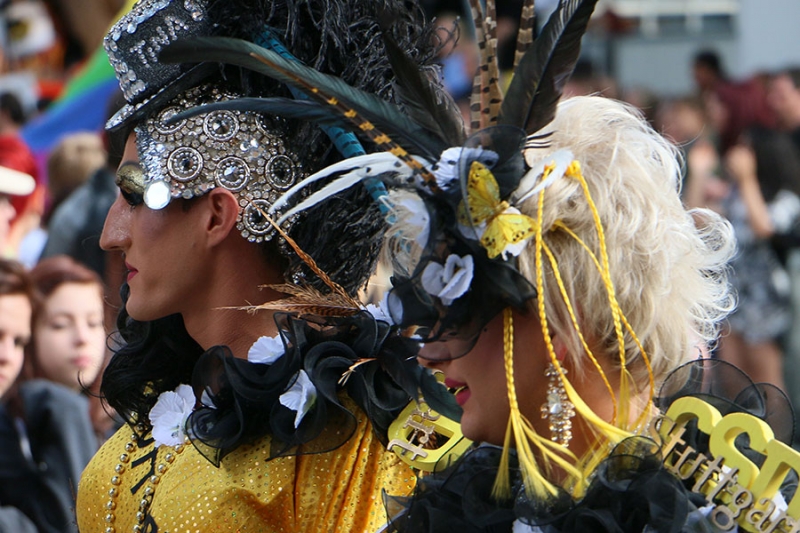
{"x": 69, "y": 335}
{"x": 480, "y": 375}
{"x": 15, "y": 332}
{"x": 159, "y": 246}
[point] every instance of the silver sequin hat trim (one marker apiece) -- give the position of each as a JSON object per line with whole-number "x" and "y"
{"x": 229, "y": 149}
{"x": 133, "y": 45}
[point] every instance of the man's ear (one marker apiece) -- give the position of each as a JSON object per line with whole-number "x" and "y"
{"x": 222, "y": 212}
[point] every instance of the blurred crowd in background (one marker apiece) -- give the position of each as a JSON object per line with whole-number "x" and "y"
{"x": 739, "y": 138}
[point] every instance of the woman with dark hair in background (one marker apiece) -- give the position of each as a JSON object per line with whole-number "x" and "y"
{"x": 46, "y": 436}
{"x": 68, "y": 345}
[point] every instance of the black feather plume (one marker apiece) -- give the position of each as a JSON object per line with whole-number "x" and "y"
{"x": 538, "y": 82}
{"x": 424, "y": 101}
{"x": 322, "y": 87}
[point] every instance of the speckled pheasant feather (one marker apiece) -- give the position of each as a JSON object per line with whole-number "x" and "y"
{"x": 486, "y": 94}
{"x": 527, "y": 25}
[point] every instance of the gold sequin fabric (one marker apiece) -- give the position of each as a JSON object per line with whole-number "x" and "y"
{"x": 339, "y": 490}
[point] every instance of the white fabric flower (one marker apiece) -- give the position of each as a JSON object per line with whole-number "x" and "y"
{"x": 473, "y": 233}
{"x": 168, "y": 416}
{"x": 449, "y": 281}
{"x": 266, "y": 350}
{"x": 446, "y": 169}
{"x": 300, "y": 397}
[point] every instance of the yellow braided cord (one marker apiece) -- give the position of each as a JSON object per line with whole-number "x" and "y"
{"x": 577, "y": 476}
{"x": 612, "y": 432}
{"x": 574, "y": 170}
{"x": 554, "y": 452}
{"x": 551, "y": 453}
{"x": 501, "y": 490}
{"x": 562, "y": 288}
{"x": 646, "y": 358}
{"x": 536, "y": 485}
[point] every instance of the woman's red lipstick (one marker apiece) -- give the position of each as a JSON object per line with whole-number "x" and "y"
{"x": 462, "y": 392}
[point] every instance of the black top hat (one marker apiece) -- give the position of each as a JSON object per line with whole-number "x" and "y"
{"x": 133, "y": 46}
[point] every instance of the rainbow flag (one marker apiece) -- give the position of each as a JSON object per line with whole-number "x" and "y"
{"x": 80, "y": 107}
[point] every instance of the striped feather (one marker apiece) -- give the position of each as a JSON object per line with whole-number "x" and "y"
{"x": 475, "y": 104}
{"x": 306, "y": 300}
{"x": 383, "y": 142}
{"x": 486, "y": 95}
{"x": 495, "y": 96}
{"x": 527, "y": 25}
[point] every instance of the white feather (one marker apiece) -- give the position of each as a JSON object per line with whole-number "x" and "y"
{"x": 387, "y": 163}
{"x": 353, "y": 163}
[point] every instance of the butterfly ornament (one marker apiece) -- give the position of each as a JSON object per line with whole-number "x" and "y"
{"x": 502, "y": 229}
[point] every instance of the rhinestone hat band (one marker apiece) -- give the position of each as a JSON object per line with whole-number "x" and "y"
{"x": 227, "y": 149}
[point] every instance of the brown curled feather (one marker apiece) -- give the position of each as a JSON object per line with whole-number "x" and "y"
{"x": 337, "y": 290}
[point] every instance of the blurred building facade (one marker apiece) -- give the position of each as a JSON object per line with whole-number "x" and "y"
{"x": 651, "y": 43}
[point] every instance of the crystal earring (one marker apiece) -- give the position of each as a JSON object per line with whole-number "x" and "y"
{"x": 558, "y": 410}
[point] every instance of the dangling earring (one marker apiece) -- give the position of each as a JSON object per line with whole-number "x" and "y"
{"x": 558, "y": 410}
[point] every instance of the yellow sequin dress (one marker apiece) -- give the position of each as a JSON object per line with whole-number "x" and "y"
{"x": 181, "y": 491}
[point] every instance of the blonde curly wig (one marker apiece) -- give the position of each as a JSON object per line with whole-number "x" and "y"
{"x": 668, "y": 265}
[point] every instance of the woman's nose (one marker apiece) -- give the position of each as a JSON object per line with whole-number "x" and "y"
{"x": 7, "y": 347}
{"x": 81, "y": 333}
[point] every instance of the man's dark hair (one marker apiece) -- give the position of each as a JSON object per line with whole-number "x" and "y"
{"x": 711, "y": 60}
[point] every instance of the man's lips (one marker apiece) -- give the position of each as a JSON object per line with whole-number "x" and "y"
{"x": 131, "y": 271}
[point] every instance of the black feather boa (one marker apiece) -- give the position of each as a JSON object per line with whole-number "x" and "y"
{"x": 364, "y": 358}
